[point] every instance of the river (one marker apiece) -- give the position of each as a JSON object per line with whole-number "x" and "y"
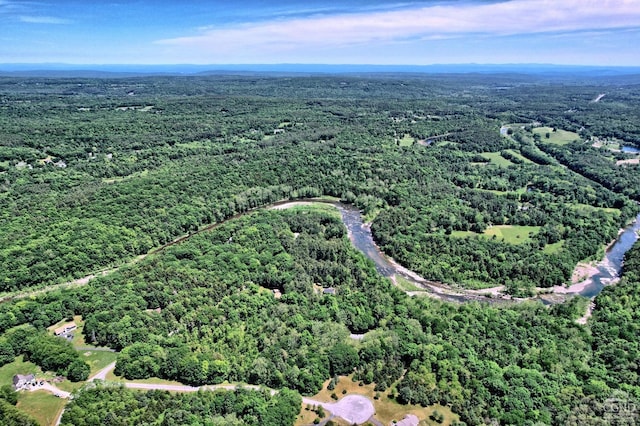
{"x": 362, "y": 239}
{"x": 609, "y": 268}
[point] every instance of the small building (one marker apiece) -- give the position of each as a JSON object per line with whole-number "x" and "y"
{"x": 23, "y": 381}
{"x": 329, "y": 290}
{"x": 65, "y": 329}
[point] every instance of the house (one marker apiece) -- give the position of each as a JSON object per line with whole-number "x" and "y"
{"x": 65, "y": 329}
{"x": 23, "y": 381}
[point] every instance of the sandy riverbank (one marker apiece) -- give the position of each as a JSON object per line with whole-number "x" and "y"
{"x": 582, "y": 276}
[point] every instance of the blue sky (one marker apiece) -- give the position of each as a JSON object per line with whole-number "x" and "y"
{"x": 577, "y": 32}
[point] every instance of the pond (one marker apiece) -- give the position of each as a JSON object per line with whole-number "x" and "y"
{"x": 630, "y": 149}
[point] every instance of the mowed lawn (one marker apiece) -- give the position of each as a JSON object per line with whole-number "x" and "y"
{"x": 559, "y": 137}
{"x": 18, "y": 366}
{"x": 41, "y": 405}
{"x": 98, "y": 360}
{"x": 512, "y": 234}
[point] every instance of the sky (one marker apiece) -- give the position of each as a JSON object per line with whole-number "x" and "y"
{"x": 566, "y": 32}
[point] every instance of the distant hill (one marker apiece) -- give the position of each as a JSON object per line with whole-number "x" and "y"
{"x": 105, "y": 71}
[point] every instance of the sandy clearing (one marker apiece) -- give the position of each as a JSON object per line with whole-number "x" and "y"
{"x": 574, "y": 288}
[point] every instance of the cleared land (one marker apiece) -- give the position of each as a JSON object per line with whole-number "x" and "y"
{"x": 553, "y": 248}
{"x": 407, "y": 140}
{"x": 41, "y": 405}
{"x": 559, "y": 137}
{"x": 19, "y": 366}
{"x": 633, "y": 161}
{"x": 386, "y": 409}
{"x": 512, "y": 234}
{"x": 496, "y": 159}
{"x": 97, "y": 360}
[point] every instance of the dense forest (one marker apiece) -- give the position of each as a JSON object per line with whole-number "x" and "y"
{"x": 96, "y": 174}
{"x": 116, "y": 405}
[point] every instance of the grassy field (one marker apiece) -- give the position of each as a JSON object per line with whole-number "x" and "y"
{"x": 445, "y": 143}
{"x": 98, "y": 360}
{"x": 496, "y": 159}
{"x": 41, "y": 405}
{"x": 559, "y": 137}
{"x": 387, "y": 410}
{"x": 553, "y": 248}
{"x": 511, "y": 234}
{"x": 318, "y": 206}
{"x": 142, "y": 173}
{"x": 587, "y": 208}
{"x": 407, "y": 140}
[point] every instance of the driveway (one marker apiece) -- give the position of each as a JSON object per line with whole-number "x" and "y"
{"x": 102, "y": 374}
{"x": 51, "y": 388}
{"x": 353, "y": 408}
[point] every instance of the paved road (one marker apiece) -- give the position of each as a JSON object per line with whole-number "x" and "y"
{"x": 102, "y": 374}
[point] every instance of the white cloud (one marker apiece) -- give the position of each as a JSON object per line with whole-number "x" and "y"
{"x": 43, "y": 20}
{"x": 443, "y": 21}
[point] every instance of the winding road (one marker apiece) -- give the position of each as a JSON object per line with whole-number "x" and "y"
{"x": 352, "y": 408}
